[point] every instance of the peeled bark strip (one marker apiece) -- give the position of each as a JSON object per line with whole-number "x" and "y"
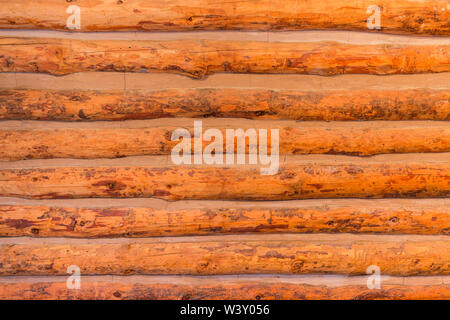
{"x": 244, "y": 254}
{"x": 225, "y": 288}
{"x": 198, "y": 58}
{"x": 298, "y": 177}
{"x": 400, "y": 16}
{"x": 148, "y": 218}
{"x": 37, "y": 140}
{"x": 91, "y": 105}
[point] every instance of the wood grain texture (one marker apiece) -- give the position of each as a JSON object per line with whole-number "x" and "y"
{"x": 298, "y": 177}
{"x": 146, "y": 247}
{"x": 43, "y": 140}
{"x": 224, "y": 288}
{"x": 92, "y": 105}
{"x": 243, "y": 254}
{"x": 197, "y": 58}
{"x": 133, "y": 218}
{"x": 400, "y": 16}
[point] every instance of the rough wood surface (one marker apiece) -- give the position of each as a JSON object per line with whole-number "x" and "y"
{"x": 42, "y": 140}
{"x": 197, "y": 58}
{"x": 298, "y": 177}
{"x": 147, "y": 218}
{"x": 243, "y": 254}
{"x": 399, "y": 16}
{"x": 91, "y": 105}
{"x": 224, "y": 288}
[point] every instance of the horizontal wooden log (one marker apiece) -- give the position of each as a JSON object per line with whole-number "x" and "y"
{"x": 91, "y": 105}
{"x": 225, "y": 288}
{"x": 243, "y": 254}
{"x": 197, "y": 58}
{"x": 37, "y": 140}
{"x": 298, "y": 177}
{"x": 88, "y": 218}
{"x": 399, "y": 16}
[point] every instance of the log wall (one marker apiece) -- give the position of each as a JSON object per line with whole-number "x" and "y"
{"x": 87, "y": 176}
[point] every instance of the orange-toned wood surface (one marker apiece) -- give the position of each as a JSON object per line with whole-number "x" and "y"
{"x": 198, "y": 58}
{"x": 148, "y": 218}
{"x": 90, "y": 105}
{"x": 79, "y": 186}
{"x": 31, "y": 140}
{"x": 246, "y": 288}
{"x": 242, "y": 254}
{"x": 397, "y": 16}
{"x": 298, "y": 177}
